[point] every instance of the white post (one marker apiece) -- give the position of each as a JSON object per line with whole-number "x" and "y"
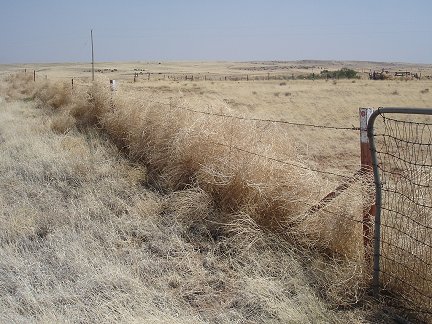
{"x": 365, "y": 114}
{"x": 113, "y": 85}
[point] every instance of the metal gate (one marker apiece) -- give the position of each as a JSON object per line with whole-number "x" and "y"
{"x": 401, "y": 146}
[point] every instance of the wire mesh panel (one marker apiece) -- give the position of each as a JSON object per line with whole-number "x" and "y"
{"x": 402, "y": 148}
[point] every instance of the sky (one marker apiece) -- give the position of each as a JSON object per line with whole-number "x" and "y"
{"x": 49, "y": 31}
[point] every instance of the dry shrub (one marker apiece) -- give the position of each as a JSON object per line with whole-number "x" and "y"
{"x": 244, "y": 232}
{"x": 337, "y": 226}
{"x": 62, "y": 123}
{"x": 18, "y": 86}
{"x": 82, "y": 108}
{"x": 343, "y": 281}
{"x": 53, "y": 94}
{"x": 190, "y": 206}
{"x": 224, "y": 157}
{"x": 225, "y": 161}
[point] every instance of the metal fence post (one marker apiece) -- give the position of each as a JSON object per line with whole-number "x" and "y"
{"x": 366, "y": 166}
{"x": 378, "y": 198}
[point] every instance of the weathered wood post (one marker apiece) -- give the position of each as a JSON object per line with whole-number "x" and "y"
{"x": 34, "y": 75}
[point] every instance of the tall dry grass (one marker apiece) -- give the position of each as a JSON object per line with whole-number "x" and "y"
{"x": 202, "y": 163}
{"x": 83, "y": 241}
{"x": 181, "y": 149}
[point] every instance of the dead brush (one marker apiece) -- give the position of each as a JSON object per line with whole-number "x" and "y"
{"x": 270, "y": 192}
{"x": 244, "y": 232}
{"x": 226, "y": 158}
{"x": 343, "y": 281}
{"x": 82, "y": 108}
{"x": 337, "y": 226}
{"x": 190, "y": 206}
{"x": 63, "y": 123}
{"x": 233, "y": 165}
{"x": 18, "y": 86}
{"x": 53, "y": 94}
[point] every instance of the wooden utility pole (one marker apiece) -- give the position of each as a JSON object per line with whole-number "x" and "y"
{"x": 91, "y": 36}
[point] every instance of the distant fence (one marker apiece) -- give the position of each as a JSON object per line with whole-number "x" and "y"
{"x": 155, "y": 76}
{"x": 402, "y": 159}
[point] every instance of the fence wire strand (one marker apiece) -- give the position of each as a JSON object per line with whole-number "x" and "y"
{"x": 343, "y": 176}
{"x": 274, "y": 121}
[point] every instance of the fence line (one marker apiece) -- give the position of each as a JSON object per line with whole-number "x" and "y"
{"x": 343, "y": 176}
{"x": 273, "y": 121}
{"x": 403, "y": 264}
{"x": 269, "y": 120}
{"x": 349, "y": 180}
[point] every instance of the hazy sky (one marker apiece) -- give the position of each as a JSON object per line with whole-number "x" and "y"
{"x": 59, "y": 31}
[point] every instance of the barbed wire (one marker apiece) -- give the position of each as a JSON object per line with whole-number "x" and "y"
{"x": 352, "y": 128}
{"x": 282, "y": 161}
{"x": 347, "y": 177}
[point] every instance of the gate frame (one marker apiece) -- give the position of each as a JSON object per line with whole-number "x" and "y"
{"x": 378, "y": 184}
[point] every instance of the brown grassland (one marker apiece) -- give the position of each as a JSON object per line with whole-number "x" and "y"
{"x": 131, "y": 206}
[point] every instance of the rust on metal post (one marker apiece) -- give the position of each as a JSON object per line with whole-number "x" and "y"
{"x": 366, "y": 167}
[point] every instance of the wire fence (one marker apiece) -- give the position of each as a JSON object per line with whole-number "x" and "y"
{"x": 340, "y": 175}
{"x": 404, "y": 154}
{"x": 403, "y": 234}
{"x": 270, "y": 120}
{"x": 403, "y": 159}
{"x": 403, "y": 231}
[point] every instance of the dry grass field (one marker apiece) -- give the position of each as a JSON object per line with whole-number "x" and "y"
{"x": 132, "y": 206}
